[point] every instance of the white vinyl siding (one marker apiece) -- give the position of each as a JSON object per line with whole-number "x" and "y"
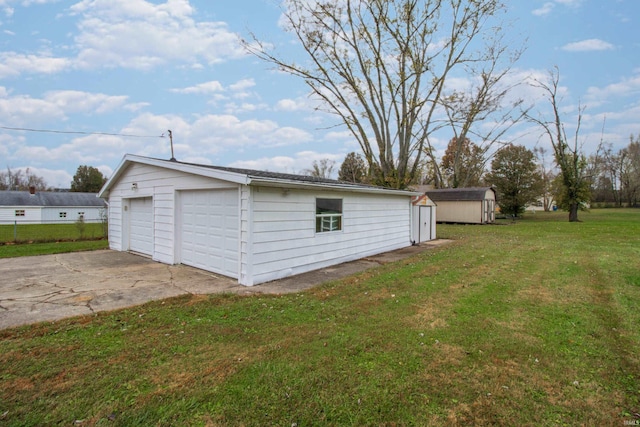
{"x": 285, "y": 241}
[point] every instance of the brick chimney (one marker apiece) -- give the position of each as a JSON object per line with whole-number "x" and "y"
{"x": 32, "y": 189}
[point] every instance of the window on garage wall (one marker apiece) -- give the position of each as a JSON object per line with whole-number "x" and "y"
{"x": 328, "y": 215}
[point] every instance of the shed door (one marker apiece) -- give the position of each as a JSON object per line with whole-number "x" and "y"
{"x": 141, "y": 225}
{"x": 489, "y": 211}
{"x": 425, "y": 223}
{"x": 209, "y": 230}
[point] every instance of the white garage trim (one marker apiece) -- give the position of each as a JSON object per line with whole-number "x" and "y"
{"x": 141, "y": 225}
{"x": 208, "y": 229}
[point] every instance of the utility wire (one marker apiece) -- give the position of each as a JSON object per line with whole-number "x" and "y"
{"x": 81, "y": 133}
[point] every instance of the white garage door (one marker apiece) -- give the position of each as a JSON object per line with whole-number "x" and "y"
{"x": 141, "y": 225}
{"x": 209, "y": 230}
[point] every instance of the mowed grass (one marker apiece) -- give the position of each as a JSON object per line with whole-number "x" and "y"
{"x": 24, "y": 233}
{"x": 31, "y": 249}
{"x": 535, "y": 322}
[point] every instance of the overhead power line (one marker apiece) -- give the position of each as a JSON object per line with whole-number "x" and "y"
{"x": 81, "y": 133}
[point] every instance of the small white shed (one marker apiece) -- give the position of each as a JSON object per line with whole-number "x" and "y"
{"x": 473, "y": 205}
{"x": 40, "y": 207}
{"x": 251, "y": 225}
{"x": 424, "y": 219}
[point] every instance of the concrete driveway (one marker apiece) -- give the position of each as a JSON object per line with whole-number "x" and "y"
{"x": 53, "y": 287}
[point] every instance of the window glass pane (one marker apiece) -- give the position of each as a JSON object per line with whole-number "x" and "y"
{"x": 328, "y": 206}
{"x": 328, "y": 215}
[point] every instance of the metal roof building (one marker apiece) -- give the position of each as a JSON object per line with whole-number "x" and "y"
{"x": 47, "y": 206}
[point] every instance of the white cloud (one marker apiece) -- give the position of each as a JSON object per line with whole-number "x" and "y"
{"x": 73, "y": 101}
{"x": 14, "y": 64}
{"x": 245, "y": 107}
{"x": 624, "y": 88}
{"x": 549, "y": 6}
{"x": 588, "y": 45}
{"x": 242, "y": 85}
{"x": 296, "y": 164}
{"x": 202, "y": 88}
{"x": 23, "y": 110}
{"x": 236, "y": 90}
{"x": 293, "y": 105}
{"x": 544, "y": 10}
{"x": 141, "y": 35}
{"x": 203, "y": 137}
{"x": 570, "y": 3}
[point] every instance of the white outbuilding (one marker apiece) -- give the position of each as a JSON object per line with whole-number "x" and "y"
{"x": 251, "y": 225}
{"x": 47, "y": 207}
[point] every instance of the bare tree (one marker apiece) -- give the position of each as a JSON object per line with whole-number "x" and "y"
{"x": 568, "y": 155}
{"x": 19, "y": 180}
{"x": 381, "y": 67}
{"x": 482, "y": 102}
{"x": 321, "y": 169}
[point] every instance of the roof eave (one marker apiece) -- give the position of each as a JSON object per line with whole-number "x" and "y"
{"x": 167, "y": 164}
{"x": 240, "y": 178}
{"x": 275, "y": 182}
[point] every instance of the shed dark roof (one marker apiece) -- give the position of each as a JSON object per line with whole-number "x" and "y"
{"x": 458, "y": 194}
{"x": 50, "y": 198}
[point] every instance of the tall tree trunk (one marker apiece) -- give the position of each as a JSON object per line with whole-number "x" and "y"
{"x": 573, "y": 212}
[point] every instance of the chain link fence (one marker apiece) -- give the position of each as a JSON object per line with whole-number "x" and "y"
{"x": 24, "y": 231}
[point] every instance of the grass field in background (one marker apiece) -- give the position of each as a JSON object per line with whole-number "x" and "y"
{"x": 25, "y": 232}
{"x": 534, "y": 322}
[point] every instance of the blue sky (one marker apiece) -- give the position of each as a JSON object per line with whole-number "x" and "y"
{"x": 139, "y": 67}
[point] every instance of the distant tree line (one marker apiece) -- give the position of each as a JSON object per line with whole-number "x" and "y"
{"x": 21, "y": 180}
{"x": 522, "y": 177}
{"x": 87, "y": 179}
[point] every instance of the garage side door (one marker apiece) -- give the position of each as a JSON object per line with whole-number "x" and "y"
{"x": 141, "y": 225}
{"x": 209, "y": 230}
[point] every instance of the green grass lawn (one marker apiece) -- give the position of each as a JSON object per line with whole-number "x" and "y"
{"x": 30, "y": 249}
{"x": 21, "y": 233}
{"x": 535, "y": 322}
{"x": 44, "y": 239}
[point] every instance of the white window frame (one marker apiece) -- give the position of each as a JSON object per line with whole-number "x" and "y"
{"x": 20, "y": 212}
{"x": 329, "y": 221}
{"x": 62, "y": 214}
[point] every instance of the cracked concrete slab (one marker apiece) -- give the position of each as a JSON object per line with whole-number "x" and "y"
{"x": 53, "y": 287}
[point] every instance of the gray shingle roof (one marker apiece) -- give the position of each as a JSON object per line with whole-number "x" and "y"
{"x": 284, "y": 176}
{"x": 50, "y": 198}
{"x": 458, "y": 194}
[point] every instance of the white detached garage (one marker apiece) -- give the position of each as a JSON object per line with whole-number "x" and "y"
{"x": 251, "y": 225}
